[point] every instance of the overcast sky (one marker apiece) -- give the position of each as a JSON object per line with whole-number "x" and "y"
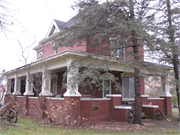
{"x": 28, "y": 19}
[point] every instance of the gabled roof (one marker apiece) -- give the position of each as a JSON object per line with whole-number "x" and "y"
{"x": 55, "y": 26}
{"x": 60, "y": 24}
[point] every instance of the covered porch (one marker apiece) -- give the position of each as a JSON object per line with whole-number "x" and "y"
{"x": 44, "y": 78}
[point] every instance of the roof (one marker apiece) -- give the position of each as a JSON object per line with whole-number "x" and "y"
{"x": 80, "y": 54}
{"x": 60, "y": 24}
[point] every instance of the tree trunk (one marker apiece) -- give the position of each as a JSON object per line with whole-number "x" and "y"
{"x": 174, "y": 48}
{"x": 137, "y": 83}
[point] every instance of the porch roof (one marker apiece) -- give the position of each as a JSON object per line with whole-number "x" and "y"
{"x": 65, "y": 55}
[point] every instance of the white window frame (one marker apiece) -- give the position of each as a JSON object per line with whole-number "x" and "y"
{"x": 119, "y": 53}
{"x": 55, "y": 51}
{"x": 55, "y": 48}
{"x": 55, "y": 81}
{"x": 40, "y": 55}
{"x": 129, "y": 91}
{"x": 103, "y": 93}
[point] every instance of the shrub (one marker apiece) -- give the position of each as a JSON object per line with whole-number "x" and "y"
{"x": 174, "y": 98}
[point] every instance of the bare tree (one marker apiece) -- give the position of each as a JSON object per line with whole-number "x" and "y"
{"x": 4, "y": 16}
{"x": 25, "y": 51}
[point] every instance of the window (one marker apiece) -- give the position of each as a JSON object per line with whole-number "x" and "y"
{"x": 128, "y": 84}
{"x": 106, "y": 87}
{"x": 54, "y": 80}
{"x": 40, "y": 55}
{"x": 55, "y": 48}
{"x": 117, "y": 48}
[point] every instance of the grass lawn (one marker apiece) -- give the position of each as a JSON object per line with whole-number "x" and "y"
{"x": 32, "y": 127}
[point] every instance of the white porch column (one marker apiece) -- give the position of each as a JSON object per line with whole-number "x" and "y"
{"x": 8, "y": 86}
{"x": 46, "y": 83}
{"x": 17, "y": 86}
{"x": 72, "y": 88}
{"x": 165, "y": 86}
{"x": 29, "y": 88}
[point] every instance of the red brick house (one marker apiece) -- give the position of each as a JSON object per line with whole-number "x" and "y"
{"x": 52, "y": 63}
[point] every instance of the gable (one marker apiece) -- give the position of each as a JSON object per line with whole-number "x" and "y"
{"x": 55, "y": 27}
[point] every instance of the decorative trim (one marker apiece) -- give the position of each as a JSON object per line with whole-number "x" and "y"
{"x": 151, "y": 106}
{"x": 28, "y": 93}
{"x": 113, "y": 95}
{"x": 123, "y": 107}
{"x": 95, "y": 99}
{"x": 46, "y": 93}
{"x": 16, "y": 93}
{"x": 68, "y": 94}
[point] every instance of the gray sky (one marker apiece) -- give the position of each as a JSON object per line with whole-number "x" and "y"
{"x": 28, "y": 19}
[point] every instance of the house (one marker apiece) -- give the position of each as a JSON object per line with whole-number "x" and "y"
{"x": 52, "y": 62}
{"x": 2, "y": 87}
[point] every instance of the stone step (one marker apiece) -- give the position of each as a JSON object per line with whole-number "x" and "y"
{"x": 143, "y": 116}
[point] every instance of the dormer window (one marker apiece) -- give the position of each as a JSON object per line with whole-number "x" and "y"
{"x": 40, "y": 55}
{"x": 117, "y": 47}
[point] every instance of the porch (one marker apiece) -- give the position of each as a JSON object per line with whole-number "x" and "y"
{"x": 44, "y": 78}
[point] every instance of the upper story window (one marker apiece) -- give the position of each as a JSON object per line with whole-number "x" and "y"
{"x": 55, "y": 48}
{"x": 40, "y": 55}
{"x": 117, "y": 48}
{"x": 55, "y": 51}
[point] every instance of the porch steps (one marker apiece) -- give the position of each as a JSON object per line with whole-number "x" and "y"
{"x": 143, "y": 116}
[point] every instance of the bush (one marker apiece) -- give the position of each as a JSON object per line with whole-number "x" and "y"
{"x": 174, "y": 98}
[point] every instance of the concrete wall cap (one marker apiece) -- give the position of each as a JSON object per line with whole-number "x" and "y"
{"x": 123, "y": 107}
{"x": 144, "y": 96}
{"x": 151, "y": 106}
{"x": 155, "y": 98}
{"x": 20, "y": 96}
{"x": 165, "y": 96}
{"x": 113, "y": 95}
{"x": 91, "y": 99}
{"x": 54, "y": 98}
{"x": 33, "y": 97}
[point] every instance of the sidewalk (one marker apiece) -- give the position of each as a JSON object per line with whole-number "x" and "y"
{"x": 166, "y": 125}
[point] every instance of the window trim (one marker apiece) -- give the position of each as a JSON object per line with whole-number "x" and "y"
{"x": 55, "y": 82}
{"x": 40, "y": 55}
{"x": 129, "y": 98}
{"x": 117, "y": 51}
{"x": 110, "y": 89}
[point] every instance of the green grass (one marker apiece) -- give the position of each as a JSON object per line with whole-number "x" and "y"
{"x": 32, "y": 127}
{"x": 175, "y": 112}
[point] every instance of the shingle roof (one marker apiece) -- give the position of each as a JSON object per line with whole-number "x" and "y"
{"x": 71, "y": 22}
{"x": 60, "y": 24}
